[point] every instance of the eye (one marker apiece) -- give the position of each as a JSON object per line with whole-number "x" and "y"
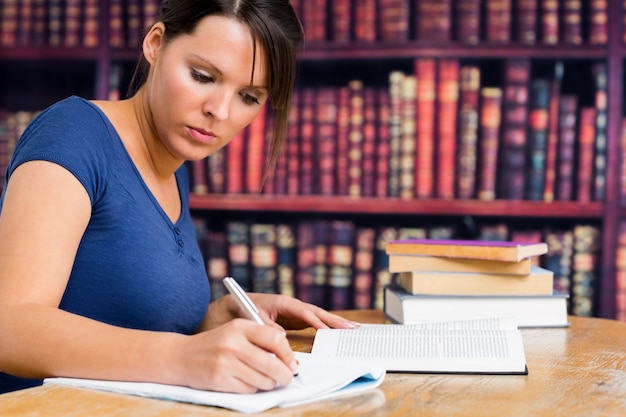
{"x": 200, "y": 77}
{"x": 249, "y": 99}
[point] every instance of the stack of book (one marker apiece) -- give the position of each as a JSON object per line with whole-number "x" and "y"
{"x": 465, "y": 279}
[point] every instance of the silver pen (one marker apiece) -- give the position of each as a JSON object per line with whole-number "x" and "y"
{"x": 245, "y": 303}
{"x": 242, "y": 299}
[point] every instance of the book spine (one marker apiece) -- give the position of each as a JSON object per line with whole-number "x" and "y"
{"x": 566, "y": 155}
{"x": 538, "y": 114}
{"x": 623, "y": 163}
{"x": 307, "y": 139}
{"x": 9, "y": 23}
{"x": 38, "y": 37}
{"x": 365, "y": 21}
{"x": 91, "y": 27}
{"x": 382, "y": 144}
{"x": 382, "y": 275}
{"x": 133, "y": 23}
{"x": 498, "y": 21}
{"x": 117, "y": 33}
{"x": 25, "y": 23}
{"x": 314, "y": 20}
{"x": 235, "y": 153}
{"x": 549, "y": 22}
{"x": 355, "y": 138}
{"x": 217, "y": 262}
{"x": 287, "y": 258}
{"x": 238, "y": 241}
{"x": 620, "y": 274}
{"x": 425, "y": 70}
{"x": 150, "y": 12}
{"x": 512, "y": 167}
{"x": 72, "y": 23}
{"x": 393, "y": 20}
{"x": 293, "y": 146}
{"x": 600, "y": 76}
{"x": 305, "y": 260}
{"x": 571, "y": 29}
{"x": 468, "y": 21}
{"x": 447, "y": 105}
{"x": 469, "y": 85}
{"x": 55, "y": 22}
{"x": 586, "y": 243}
{"x": 586, "y": 136}
{"x": 340, "y": 261}
{"x": 559, "y": 258}
{"x": 408, "y": 136}
{"x": 490, "y": 119}
{"x": 343, "y": 140}
{"x": 369, "y": 149}
{"x": 598, "y": 22}
{"x": 263, "y": 258}
{"x": 526, "y": 21}
{"x": 255, "y": 152}
{"x": 199, "y": 178}
{"x": 216, "y": 171}
{"x": 553, "y": 138}
{"x": 321, "y": 231}
{"x": 364, "y": 267}
{"x": 395, "y": 132}
{"x": 341, "y": 30}
{"x": 433, "y": 20}
{"x": 326, "y": 137}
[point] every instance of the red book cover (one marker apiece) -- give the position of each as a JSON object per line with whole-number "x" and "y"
{"x": 566, "y": 154}
{"x": 498, "y": 21}
{"x": 600, "y": 76}
{"x": 307, "y": 141}
{"x": 425, "y": 70}
{"x": 620, "y": 274}
{"x": 553, "y": 139}
{"x": 586, "y": 137}
{"x": 571, "y": 28}
{"x": 598, "y": 22}
{"x": 255, "y": 152}
{"x": 278, "y": 179}
{"x": 369, "y": 148}
{"x": 364, "y": 20}
{"x": 314, "y": 20}
{"x": 393, "y": 20}
{"x": 364, "y": 267}
{"x": 512, "y": 167}
{"x": 447, "y": 105}
{"x": 355, "y": 136}
{"x": 341, "y": 21}
{"x": 538, "y": 116}
{"x": 526, "y": 21}
{"x": 408, "y": 136}
{"x": 293, "y": 146}
{"x": 326, "y": 111}
{"x": 382, "y": 144}
{"x": 235, "y": 161}
{"x": 91, "y": 26}
{"x": 199, "y": 177}
{"x": 395, "y": 132}
{"x": 490, "y": 119}
{"x": 468, "y": 21}
{"x": 343, "y": 140}
{"x": 550, "y": 22}
{"x": 469, "y": 85}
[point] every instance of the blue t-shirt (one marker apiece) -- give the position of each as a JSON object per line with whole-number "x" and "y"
{"x": 134, "y": 268}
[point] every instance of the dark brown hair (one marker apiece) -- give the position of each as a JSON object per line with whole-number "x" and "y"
{"x": 274, "y": 26}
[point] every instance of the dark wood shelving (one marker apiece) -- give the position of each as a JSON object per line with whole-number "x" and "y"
{"x": 49, "y": 54}
{"x": 374, "y": 205}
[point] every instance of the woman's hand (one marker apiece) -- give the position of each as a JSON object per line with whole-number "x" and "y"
{"x": 238, "y": 356}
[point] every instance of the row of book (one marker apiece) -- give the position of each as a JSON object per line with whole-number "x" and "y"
{"x": 436, "y": 132}
{"x": 341, "y": 264}
{"x": 74, "y": 23}
{"x": 620, "y": 274}
{"x": 548, "y": 22}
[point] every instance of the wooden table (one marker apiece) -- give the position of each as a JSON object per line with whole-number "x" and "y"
{"x": 576, "y": 371}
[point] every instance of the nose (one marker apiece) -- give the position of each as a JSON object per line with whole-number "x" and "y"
{"x": 217, "y": 104}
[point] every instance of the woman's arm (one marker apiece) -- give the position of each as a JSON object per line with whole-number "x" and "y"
{"x": 44, "y": 215}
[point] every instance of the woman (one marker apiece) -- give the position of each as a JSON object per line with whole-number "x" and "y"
{"x": 100, "y": 273}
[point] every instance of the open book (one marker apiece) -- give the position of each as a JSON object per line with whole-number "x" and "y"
{"x": 489, "y": 346}
{"x": 318, "y": 378}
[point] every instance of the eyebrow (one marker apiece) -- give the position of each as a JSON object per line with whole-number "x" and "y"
{"x": 217, "y": 70}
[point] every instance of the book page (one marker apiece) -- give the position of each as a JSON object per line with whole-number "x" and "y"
{"x": 473, "y": 346}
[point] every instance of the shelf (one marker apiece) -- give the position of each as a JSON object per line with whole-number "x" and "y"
{"x": 48, "y": 54}
{"x": 334, "y": 204}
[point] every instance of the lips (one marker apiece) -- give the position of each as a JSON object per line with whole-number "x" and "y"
{"x": 202, "y": 135}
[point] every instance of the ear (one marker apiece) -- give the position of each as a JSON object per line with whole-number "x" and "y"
{"x": 153, "y": 41}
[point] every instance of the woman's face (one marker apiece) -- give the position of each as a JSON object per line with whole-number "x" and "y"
{"x": 199, "y": 90}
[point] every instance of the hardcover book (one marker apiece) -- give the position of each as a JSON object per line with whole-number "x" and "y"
{"x": 425, "y": 70}
{"x": 538, "y": 116}
{"x": 526, "y": 310}
{"x": 490, "y": 120}
{"x": 539, "y": 281}
{"x": 408, "y": 263}
{"x": 447, "y": 105}
{"x": 473, "y": 249}
{"x": 468, "y": 130}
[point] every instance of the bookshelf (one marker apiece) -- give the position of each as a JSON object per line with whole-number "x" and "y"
{"x": 330, "y": 59}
